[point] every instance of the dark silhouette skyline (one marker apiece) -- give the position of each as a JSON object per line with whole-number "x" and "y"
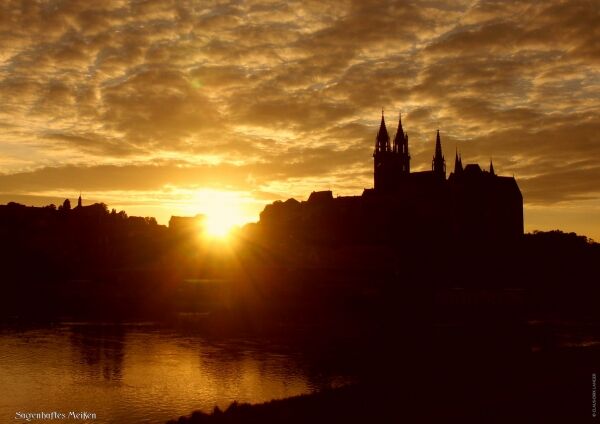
{"x": 440, "y": 260}
{"x": 471, "y": 206}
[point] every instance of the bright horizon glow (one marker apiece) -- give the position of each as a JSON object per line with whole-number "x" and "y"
{"x": 223, "y": 211}
{"x": 218, "y": 226}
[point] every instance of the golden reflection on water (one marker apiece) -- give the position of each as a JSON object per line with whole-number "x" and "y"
{"x": 138, "y": 374}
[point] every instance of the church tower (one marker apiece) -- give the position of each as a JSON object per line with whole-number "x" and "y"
{"x": 383, "y": 158}
{"x": 438, "y": 164}
{"x": 401, "y": 150}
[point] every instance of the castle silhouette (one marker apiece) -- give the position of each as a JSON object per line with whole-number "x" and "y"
{"x": 469, "y": 206}
{"x": 471, "y": 203}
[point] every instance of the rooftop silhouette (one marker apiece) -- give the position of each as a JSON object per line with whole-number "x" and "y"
{"x": 471, "y": 205}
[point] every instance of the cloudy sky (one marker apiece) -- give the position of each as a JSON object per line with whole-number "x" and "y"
{"x": 180, "y": 107}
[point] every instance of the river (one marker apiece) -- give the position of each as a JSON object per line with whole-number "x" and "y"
{"x": 143, "y": 373}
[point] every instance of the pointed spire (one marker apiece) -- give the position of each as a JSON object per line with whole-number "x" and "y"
{"x": 457, "y": 163}
{"x": 438, "y": 164}
{"x": 382, "y": 128}
{"x": 400, "y": 129}
{"x": 382, "y": 142}
{"x": 492, "y": 167}
{"x": 79, "y": 202}
{"x": 400, "y": 137}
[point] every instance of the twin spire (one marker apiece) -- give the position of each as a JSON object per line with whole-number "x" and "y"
{"x": 382, "y": 145}
{"x": 392, "y": 161}
{"x": 382, "y": 141}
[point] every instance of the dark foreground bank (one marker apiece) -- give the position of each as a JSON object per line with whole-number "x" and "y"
{"x": 548, "y": 387}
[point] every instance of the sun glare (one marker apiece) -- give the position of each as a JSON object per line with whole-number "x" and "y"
{"x": 222, "y": 212}
{"x": 218, "y": 226}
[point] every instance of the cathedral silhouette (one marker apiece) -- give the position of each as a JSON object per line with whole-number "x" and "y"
{"x": 470, "y": 207}
{"x": 471, "y": 203}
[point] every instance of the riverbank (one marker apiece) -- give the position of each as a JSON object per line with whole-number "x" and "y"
{"x": 549, "y": 387}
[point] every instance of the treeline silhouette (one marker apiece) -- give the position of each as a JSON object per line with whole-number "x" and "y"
{"x": 88, "y": 261}
{"x": 73, "y": 261}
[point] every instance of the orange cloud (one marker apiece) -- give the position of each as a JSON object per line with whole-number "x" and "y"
{"x": 277, "y": 97}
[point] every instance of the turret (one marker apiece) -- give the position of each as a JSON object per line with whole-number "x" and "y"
{"x": 458, "y": 168}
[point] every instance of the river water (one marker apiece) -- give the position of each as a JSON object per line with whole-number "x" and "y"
{"x": 143, "y": 373}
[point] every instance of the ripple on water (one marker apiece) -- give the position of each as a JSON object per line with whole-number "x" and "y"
{"x": 141, "y": 373}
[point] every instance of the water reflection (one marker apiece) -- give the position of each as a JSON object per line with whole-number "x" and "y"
{"x": 143, "y": 373}
{"x": 101, "y": 348}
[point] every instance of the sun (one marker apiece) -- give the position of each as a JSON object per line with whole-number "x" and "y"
{"x": 218, "y": 225}
{"x": 222, "y": 211}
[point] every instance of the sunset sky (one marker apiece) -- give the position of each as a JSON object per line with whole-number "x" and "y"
{"x": 167, "y": 108}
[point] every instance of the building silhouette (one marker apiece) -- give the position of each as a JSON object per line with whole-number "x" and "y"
{"x": 472, "y": 203}
{"x": 470, "y": 206}
{"x": 187, "y": 226}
